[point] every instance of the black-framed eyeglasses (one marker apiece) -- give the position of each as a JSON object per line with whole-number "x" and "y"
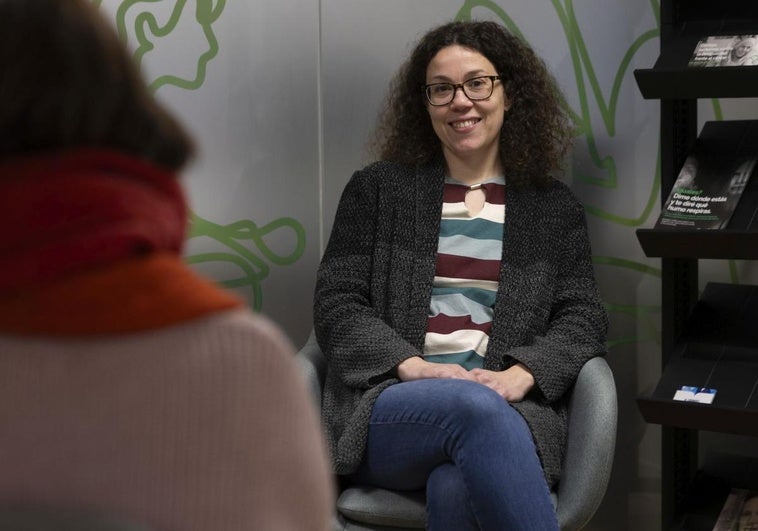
{"x": 476, "y": 89}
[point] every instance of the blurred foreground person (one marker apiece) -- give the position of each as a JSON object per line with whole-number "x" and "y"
{"x": 129, "y": 385}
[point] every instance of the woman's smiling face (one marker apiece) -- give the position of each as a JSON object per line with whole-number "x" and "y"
{"x": 469, "y": 130}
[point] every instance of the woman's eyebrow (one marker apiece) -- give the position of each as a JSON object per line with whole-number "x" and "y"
{"x": 441, "y": 78}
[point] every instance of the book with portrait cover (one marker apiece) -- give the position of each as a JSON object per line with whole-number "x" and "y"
{"x": 726, "y": 50}
{"x": 713, "y": 177}
{"x": 739, "y": 512}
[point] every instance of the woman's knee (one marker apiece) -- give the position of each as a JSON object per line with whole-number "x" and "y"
{"x": 450, "y": 403}
{"x": 479, "y": 415}
{"x": 479, "y": 404}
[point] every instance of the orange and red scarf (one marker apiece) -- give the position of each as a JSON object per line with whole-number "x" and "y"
{"x": 90, "y": 243}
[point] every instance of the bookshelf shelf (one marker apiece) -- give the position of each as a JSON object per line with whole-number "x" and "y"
{"x": 671, "y": 78}
{"x": 719, "y": 144}
{"x": 737, "y": 421}
{"x": 684, "y": 243}
{"x": 689, "y": 83}
{"x": 717, "y": 350}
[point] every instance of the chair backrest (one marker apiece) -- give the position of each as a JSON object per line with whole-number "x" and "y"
{"x": 591, "y": 445}
{"x": 313, "y": 364}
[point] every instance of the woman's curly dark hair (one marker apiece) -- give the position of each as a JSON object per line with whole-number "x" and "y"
{"x": 536, "y": 132}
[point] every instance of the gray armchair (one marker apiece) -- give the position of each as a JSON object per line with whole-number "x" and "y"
{"x": 584, "y": 478}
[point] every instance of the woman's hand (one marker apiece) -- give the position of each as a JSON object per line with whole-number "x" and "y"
{"x": 416, "y": 368}
{"x": 512, "y": 384}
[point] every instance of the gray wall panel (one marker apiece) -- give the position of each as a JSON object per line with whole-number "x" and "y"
{"x": 245, "y": 81}
{"x": 363, "y": 44}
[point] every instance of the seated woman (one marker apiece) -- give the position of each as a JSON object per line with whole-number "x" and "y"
{"x": 456, "y": 301}
{"x": 129, "y": 386}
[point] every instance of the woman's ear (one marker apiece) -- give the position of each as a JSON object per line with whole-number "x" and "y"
{"x": 506, "y": 101}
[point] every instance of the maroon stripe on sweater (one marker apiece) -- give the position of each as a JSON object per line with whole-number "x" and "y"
{"x": 456, "y": 193}
{"x": 452, "y": 266}
{"x": 445, "y": 324}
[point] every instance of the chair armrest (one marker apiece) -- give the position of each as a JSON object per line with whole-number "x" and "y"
{"x": 593, "y": 412}
{"x": 312, "y": 363}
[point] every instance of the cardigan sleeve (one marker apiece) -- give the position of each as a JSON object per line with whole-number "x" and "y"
{"x": 577, "y": 323}
{"x": 358, "y": 344}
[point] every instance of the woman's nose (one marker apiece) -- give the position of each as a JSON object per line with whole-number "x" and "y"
{"x": 460, "y": 99}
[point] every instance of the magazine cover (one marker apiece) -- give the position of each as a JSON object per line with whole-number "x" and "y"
{"x": 706, "y": 192}
{"x": 726, "y": 50}
{"x": 740, "y": 512}
{"x": 713, "y": 177}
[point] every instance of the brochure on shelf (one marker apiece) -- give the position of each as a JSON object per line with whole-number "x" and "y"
{"x": 726, "y": 50}
{"x": 702, "y": 395}
{"x": 713, "y": 177}
{"x": 740, "y": 511}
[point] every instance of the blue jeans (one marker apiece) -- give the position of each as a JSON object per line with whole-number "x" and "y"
{"x": 467, "y": 446}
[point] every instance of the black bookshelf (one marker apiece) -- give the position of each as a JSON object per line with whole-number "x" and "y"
{"x": 712, "y": 82}
{"x": 720, "y": 352}
{"x": 683, "y": 243}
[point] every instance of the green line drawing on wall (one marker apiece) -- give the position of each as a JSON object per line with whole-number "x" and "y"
{"x": 147, "y": 29}
{"x": 590, "y": 93}
{"x": 583, "y": 67}
{"x": 254, "y": 268}
{"x": 243, "y": 242}
{"x": 642, "y": 314}
{"x": 608, "y": 111}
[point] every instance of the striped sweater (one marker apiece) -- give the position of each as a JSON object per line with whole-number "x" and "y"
{"x": 466, "y": 276}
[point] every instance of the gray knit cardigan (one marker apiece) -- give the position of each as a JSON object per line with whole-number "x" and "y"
{"x": 374, "y": 287}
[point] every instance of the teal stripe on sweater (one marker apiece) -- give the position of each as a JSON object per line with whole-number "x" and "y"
{"x": 472, "y": 247}
{"x": 481, "y": 296}
{"x": 469, "y": 359}
{"x": 474, "y": 228}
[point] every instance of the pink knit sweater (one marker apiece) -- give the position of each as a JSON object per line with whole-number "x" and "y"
{"x": 202, "y": 426}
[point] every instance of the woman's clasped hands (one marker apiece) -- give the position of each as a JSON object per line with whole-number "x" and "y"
{"x": 512, "y": 384}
